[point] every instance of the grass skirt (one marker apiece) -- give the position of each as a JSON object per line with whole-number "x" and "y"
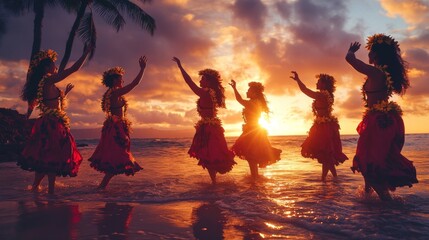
{"x": 50, "y": 149}
{"x": 324, "y": 144}
{"x": 378, "y": 153}
{"x": 112, "y": 154}
{"x": 210, "y": 148}
{"x": 253, "y": 145}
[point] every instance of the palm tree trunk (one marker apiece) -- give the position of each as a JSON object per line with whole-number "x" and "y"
{"x": 39, "y": 11}
{"x": 69, "y": 44}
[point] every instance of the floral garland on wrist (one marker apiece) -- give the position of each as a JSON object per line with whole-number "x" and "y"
{"x": 325, "y": 119}
{"x": 44, "y": 110}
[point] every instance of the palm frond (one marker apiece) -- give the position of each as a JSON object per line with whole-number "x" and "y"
{"x": 71, "y": 6}
{"x": 87, "y": 32}
{"x": 51, "y": 3}
{"x": 137, "y": 14}
{"x": 109, "y": 13}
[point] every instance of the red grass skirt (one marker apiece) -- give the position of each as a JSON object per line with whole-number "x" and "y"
{"x": 378, "y": 153}
{"x": 253, "y": 145}
{"x": 324, "y": 144}
{"x": 50, "y": 149}
{"x": 112, "y": 154}
{"x": 210, "y": 148}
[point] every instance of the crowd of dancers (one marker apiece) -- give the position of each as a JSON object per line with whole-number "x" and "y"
{"x": 51, "y": 149}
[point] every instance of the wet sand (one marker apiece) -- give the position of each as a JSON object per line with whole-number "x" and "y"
{"x": 53, "y": 219}
{"x": 96, "y": 220}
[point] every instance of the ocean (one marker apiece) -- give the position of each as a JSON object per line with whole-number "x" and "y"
{"x": 172, "y": 198}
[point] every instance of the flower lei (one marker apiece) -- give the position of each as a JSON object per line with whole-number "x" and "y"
{"x": 389, "y": 83}
{"x": 44, "y": 110}
{"x": 385, "y": 107}
{"x": 215, "y": 121}
{"x": 209, "y": 120}
{"x": 213, "y": 97}
{"x": 105, "y": 106}
{"x": 379, "y": 39}
{"x": 325, "y": 119}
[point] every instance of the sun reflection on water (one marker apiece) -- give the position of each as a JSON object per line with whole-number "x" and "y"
{"x": 273, "y": 226}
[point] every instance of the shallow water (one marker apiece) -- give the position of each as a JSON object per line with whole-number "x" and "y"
{"x": 172, "y": 198}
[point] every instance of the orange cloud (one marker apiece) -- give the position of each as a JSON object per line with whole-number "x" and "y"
{"x": 412, "y": 11}
{"x": 246, "y": 40}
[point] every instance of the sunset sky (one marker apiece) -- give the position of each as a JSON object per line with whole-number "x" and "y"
{"x": 246, "y": 40}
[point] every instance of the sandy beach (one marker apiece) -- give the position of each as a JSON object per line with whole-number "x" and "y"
{"x": 172, "y": 198}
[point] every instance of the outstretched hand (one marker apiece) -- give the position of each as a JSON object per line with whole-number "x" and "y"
{"x": 354, "y": 47}
{"x": 143, "y": 62}
{"x": 232, "y": 83}
{"x": 175, "y": 59}
{"x": 295, "y": 76}
{"x": 69, "y": 87}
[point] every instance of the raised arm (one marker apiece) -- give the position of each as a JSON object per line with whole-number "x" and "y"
{"x": 357, "y": 64}
{"x": 126, "y": 89}
{"x": 237, "y": 94}
{"x": 303, "y": 88}
{"x": 66, "y": 72}
{"x": 197, "y": 90}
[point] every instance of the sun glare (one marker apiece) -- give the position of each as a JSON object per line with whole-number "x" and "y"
{"x": 271, "y": 125}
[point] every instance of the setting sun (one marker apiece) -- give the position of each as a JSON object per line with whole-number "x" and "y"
{"x": 270, "y": 124}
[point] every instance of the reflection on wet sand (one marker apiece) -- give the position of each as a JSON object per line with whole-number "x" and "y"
{"x": 115, "y": 220}
{"x": 208, "y": 221}
{"x": 47, "y": 220}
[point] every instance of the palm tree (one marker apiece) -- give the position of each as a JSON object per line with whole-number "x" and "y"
{"x": 19, "y": 7}
{"x": 2, "y": 24}
{"x": 110, "y": 11}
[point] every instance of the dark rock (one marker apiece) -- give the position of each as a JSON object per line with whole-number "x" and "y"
{"x": 14, "y": 131}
